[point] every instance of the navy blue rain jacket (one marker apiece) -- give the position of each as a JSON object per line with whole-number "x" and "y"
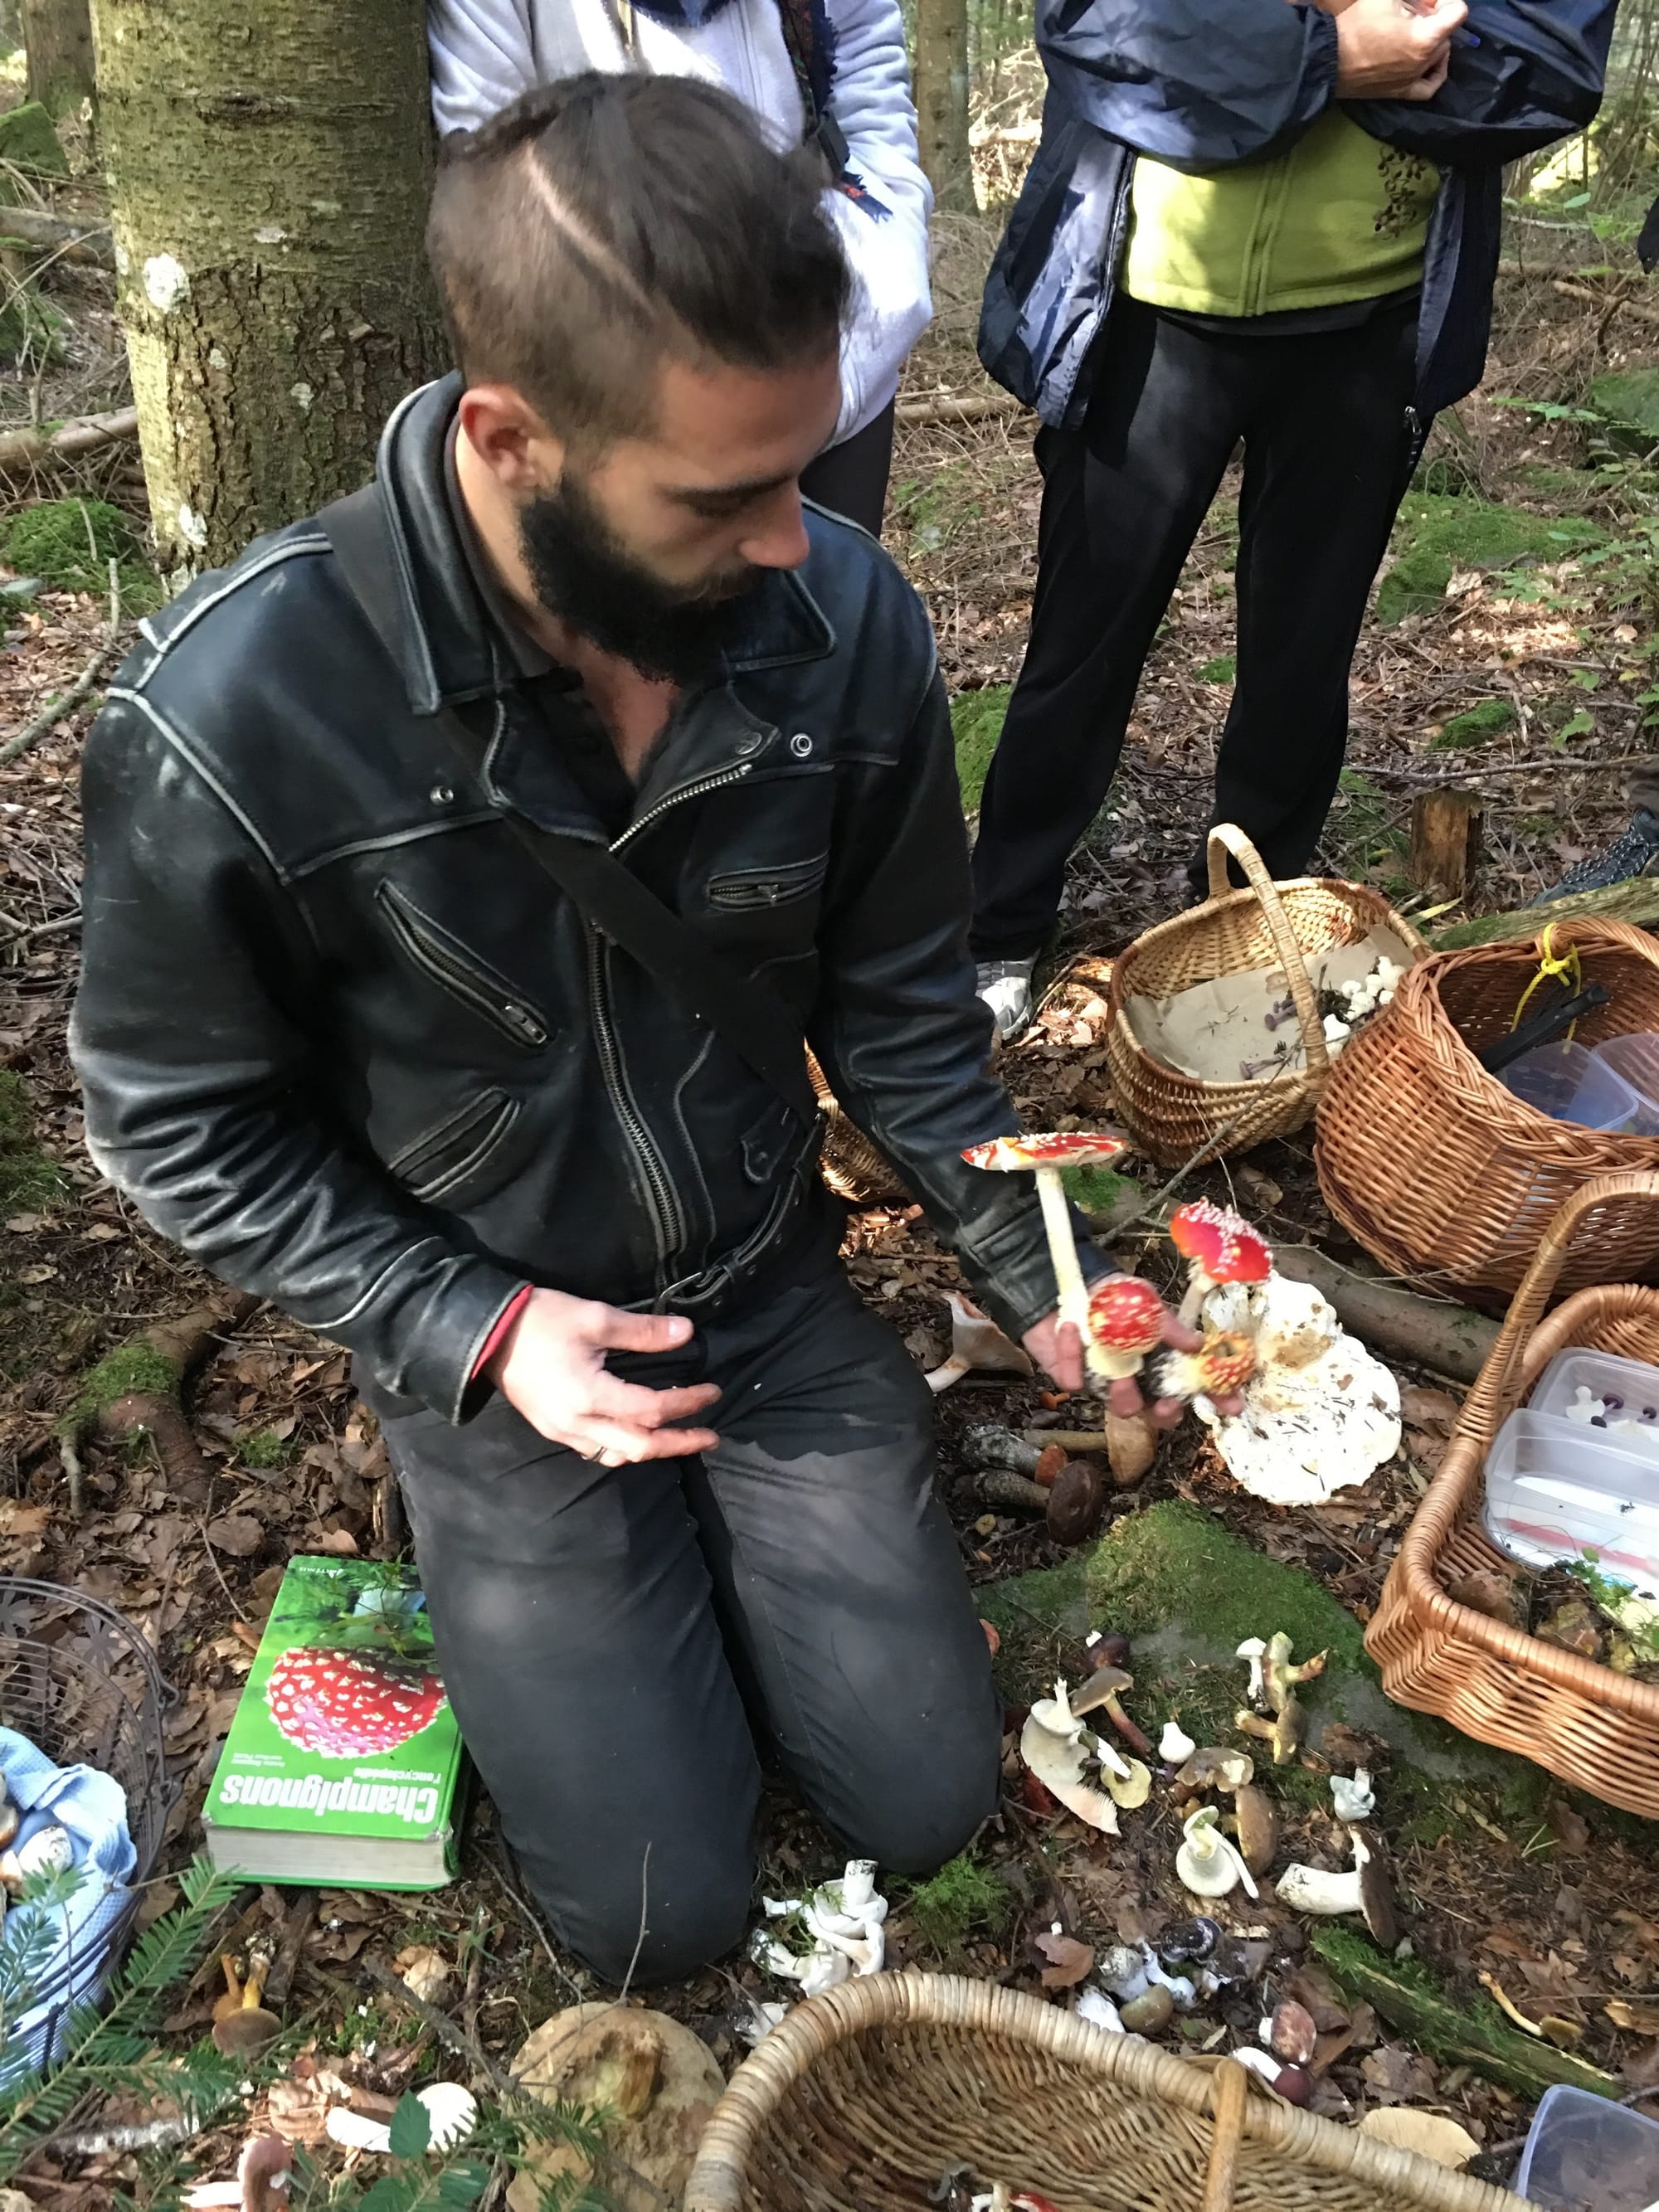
{"x": 1201, "y": 84}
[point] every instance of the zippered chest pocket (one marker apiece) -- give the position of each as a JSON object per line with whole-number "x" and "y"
{"x": 455, "y": 968}
{"x": 756, "y": 890}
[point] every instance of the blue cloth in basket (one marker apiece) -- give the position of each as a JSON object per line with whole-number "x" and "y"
{"x": 92, "y": 1808}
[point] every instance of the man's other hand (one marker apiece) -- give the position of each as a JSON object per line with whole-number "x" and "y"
{"x": 551, "y": 1367}
{"x": 1386, "y": 51}
{"x": 1058, "y": 1350}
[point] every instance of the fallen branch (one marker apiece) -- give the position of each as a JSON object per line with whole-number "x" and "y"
{"x": 976, "y": 407}
{"x": 1642, "y": 312}
{"x": 64, "y": 236}
{"x": 21, "y": 451}
{"x": 1450, "y": 1339}
{"x": 1635, "y": 900}
{"x": 139, "y": 1389}
{"x": 50, "y": 716}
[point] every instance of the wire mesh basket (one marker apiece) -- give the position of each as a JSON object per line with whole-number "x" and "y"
{"x": 82, "y": 1684}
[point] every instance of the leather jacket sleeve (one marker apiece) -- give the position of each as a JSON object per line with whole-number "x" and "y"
{"x": 905, "y": 1043}
{"x": 198, "y": 1080}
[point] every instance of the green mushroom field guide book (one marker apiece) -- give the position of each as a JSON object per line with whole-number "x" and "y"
{"x": 343, "y": 1761}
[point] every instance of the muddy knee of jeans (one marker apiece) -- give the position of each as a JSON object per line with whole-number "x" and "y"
{"x": 689, "y": 1922}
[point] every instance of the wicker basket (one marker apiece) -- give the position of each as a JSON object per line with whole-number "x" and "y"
{"x": 1173, "y": 1116}
{"x": 1597, "y": 1729}
{"x": 1446, "y": 1177}
{"x": 82, "y": 1684}
{"x": 863, "y": 2097}
{"x": 851, "y": 1165}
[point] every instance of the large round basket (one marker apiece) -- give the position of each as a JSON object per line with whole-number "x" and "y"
{"x": 866, "y": 2096}
{"x": 82, "y": 1684}
{"x": 1595, "y": 1729}
{"x": 1176, "y": 1117}
{"x": 1445, "y": 1176}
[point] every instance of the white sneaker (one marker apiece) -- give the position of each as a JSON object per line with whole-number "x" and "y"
{"x": 1005, "y": 987}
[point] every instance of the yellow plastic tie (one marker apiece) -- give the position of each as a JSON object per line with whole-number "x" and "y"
{"x": 1559, "y": 967}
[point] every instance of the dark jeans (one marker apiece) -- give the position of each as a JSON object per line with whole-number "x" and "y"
{"x": 851, "y": 479}
{"x": 616, "y": 1641}
{"x": 1328, "y": 451}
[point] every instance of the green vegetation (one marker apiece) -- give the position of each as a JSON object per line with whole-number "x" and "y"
{"x": 1438, "y": 535}
{"x": 29, "y": 141}
{"x": 976, "y": 724}
{"x": 963, "y": 1898}
{"x": 1474, "y": 726}
{"x": 136, "y": 1370}
{"x": 1459, "y": 2031}
{"x": 1627, "y": 399}
{"x": 1099, "y": 1190}
{"x": 264, "y": 1447}
{"x": 71, "y": 543}
{"x": 28, "y": 1177}
{"x": 1221, "y": 670}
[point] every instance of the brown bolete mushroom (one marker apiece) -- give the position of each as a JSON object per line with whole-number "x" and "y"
{"x": 1291, "y": 2035}
{"x": 1076, "y": 1502}
{"x": 1106, "y": 1649}
{"x": 1102, "y": 1693}
{"x": 1256, "y": 1826}
{"x": 1131, "y": 1446}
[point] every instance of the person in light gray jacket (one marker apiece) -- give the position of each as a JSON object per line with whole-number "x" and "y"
{"x": 835, "y": 69}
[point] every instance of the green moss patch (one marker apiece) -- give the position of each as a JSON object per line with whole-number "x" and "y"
{"x": 963, "y": 1898}
{"x": 28, "y": 1178}
{"x": 135, "y": 1370}
{"x": 1474, "y": 726}
{"x": 29, "y": 141}
{"x": 71, "y": 542}
{"x": 1221, "y": 670}
{"x": 264, "y": 1447}
{"x": 1629, "y": 400}
{"x": 1099, "y": 1190}
{"x": 1438, "y": 535}
{"x": 976, "y": 719}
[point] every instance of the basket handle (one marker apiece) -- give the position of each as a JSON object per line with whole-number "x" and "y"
{"x": 1230, "y": 2085}
{"x": 1226, "y": 837}
{"x": 1501, "y": 1380}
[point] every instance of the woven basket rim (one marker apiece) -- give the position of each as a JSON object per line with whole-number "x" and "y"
{"x": 816, "y": 2027}
{"x": 1213, "y": 910}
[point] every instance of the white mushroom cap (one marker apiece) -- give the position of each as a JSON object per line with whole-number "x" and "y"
{"x": 1175, "y": 1745}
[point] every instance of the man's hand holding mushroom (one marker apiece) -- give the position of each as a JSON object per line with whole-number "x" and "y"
{"x": 1057, "y": 1348}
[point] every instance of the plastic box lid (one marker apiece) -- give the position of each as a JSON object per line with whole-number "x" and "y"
{"x": 1585, "y": 2154}
{"x": 1569, "y": 1084}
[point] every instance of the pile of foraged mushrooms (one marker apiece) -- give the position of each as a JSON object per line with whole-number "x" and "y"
{"x": 1143, "y": 1987}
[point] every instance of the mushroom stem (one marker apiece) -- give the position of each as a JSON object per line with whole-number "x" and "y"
{"x": 1199, "y": 1286}
{"x": 1073, "y": 1294}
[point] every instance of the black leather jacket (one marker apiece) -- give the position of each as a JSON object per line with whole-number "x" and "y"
{"x": 343, "y": 1042}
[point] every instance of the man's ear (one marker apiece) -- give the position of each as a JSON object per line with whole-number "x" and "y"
{"x": 510, "y": 438}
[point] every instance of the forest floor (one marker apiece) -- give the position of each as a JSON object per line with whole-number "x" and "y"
{"x": 1521, "y": 664}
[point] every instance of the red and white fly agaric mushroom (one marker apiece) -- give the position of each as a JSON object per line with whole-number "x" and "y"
{"x": 1223, "y": 1364}
{"x": 1125, "y": 1322}
{"x": 1219, "y": 1246}
{"x": 1044, "y": 1157}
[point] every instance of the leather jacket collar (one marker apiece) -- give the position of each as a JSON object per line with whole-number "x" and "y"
{"x": 449, "y": 651}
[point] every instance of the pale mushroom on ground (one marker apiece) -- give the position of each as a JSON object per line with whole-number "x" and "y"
{"x": 1219, "y": 1246}
{"x": 1148, "y": 2013}
{"x": 658, "y": 2083}
{"x": 1052, "y": 1748}
{"x": 1206, "y": 1863}
{"x": 1253, "y": 1649}
{"x": 1175, "y": 1745}
{"x": 1215, "y": 1767}
{"x": 1364, "y": 1888}
{"x": 263, "y": 2173}
{"x": 1282, "y": 1674}
{"x": 977, "y": 1345}
{"x": 1097, "y": 2008}
{"x": 1353, "y": 1800}
{"x": 1045, "y": 1155}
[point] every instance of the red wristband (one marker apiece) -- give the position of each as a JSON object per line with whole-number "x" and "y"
{"x": 497, "y": 1336}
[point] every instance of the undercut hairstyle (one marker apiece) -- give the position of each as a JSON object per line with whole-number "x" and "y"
{"x": 604, "y": 225}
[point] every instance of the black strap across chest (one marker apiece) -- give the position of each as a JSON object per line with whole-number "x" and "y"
{"x": 747, "y": 1014}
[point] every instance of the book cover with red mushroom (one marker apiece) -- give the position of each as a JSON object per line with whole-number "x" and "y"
{"x": 342, "y": 1758}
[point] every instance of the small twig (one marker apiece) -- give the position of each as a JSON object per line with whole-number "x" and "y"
{"x": 448, "y": 2032}
{"x": 539, "y": 1932}
{"x": 208, "y": 1547}
{"x": 639, "y": 1940}
{"x": 49, "y": 717}
{"x": 145, "y": 2135}
{"x": 59, "y": 926}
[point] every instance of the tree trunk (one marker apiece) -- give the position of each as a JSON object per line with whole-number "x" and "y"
{"x": 269, "y": 168}
{"x": 57, "y": 39}
{"x": 942, "y": 102}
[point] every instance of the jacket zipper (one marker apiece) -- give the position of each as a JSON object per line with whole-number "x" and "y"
{"x": 675, "y": 797}
{"x": 668, "y": 1222}
{"x": 512, "y": 1015}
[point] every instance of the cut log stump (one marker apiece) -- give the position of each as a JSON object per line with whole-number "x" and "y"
{"x": 1445, "y": 841}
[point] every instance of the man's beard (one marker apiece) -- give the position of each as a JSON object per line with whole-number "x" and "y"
{"x": 585, "y": 577}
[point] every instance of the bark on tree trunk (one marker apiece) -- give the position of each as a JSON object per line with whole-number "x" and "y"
{"x": 57, "y": 39}
{"x": 269, "y": 168}
{"x": 942, "y": 102}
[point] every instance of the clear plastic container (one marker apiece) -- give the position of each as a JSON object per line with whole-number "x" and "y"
{"x": 1628, "y": 1388}
{"x": 1556, "y": 1491}
{"x": 1585, "y": 2154}
{"x": 1635, "y": 1060}
{"x": 1570, "y": 1083}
